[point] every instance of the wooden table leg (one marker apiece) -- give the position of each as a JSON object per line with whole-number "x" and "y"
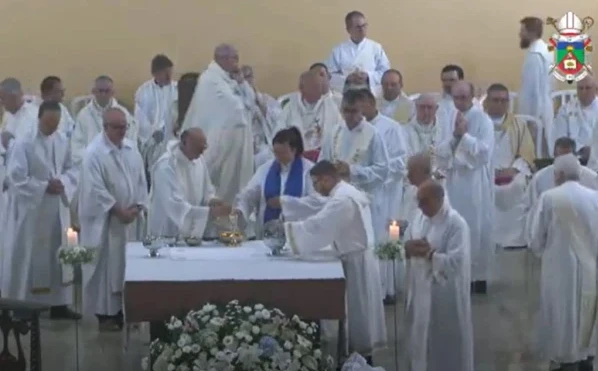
{"x": 341, "y": 350}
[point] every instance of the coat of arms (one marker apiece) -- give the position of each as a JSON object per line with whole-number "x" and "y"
{"x": 571, "y": 47}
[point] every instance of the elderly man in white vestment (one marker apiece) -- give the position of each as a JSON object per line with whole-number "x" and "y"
{"x": 153, "y": 110}
{"x": 314, "y": 114}
{"x": 218, "y": 108}
{"x": 534, "y": 97}
{"x": 438, "y": 312}
{"x": 345, "y": 224}
{"x": 464, "y": 155}
{"x": 112, "y": 197}
{"x": 322, "y": 70}
{"x": 52, "y": 89}
{"x": 513, "y": 161}
{"x": 182, "y": 196}
{"x": 387, "y": 198}
{"x": 577, "y": 118}
{"x": 565, "y": 236}
{"x": 394, "y": 102}
{"x": 42, "y": 183}
{"x": 358, "y": 57}
{"x": 20, "y": 117}
{"x": 423, "y": 131}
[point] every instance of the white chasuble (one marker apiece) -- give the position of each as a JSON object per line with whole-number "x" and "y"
{"x": 564, "y": 234}
{"x": 345, "y": 223}
{"x": 576, "y": 122}
{"x": 19, "y": 124}
{"x": 400, "y": 109}
{"x": 467, "y": 164}
{"x": 264, "y": 127}
{"x": 180, "y": 193}
{"x": 36, "y": 221}
{"x": 110, "y": 176}
{"x": 66, "y": 124}
{"x": 219, "y": 109}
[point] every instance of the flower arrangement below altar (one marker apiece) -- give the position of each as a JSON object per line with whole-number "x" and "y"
{"x": 237, "y": 337}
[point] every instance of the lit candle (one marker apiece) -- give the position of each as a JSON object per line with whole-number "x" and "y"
{"x": 394, "y": 231}
{"x": 71, "y": 238}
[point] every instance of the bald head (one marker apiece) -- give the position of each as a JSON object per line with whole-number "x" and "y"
{"x": 193, "y": 143}
{"x": 566, "y": 167}
{"x": 310, "y": 86}
{"x": 227, "y": 57}
{"x": 587, "y": 90}
{"x": 115, "y": 125}
{"x": 419, "y": 168}
{"x": 462, "y": 93}
{"x": 430, "y": 197}
{"x": 11, "y": 94}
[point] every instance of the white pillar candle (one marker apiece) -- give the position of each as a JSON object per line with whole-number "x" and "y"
{"x": 394, "y": 231}
{"x": 71, "y": 238}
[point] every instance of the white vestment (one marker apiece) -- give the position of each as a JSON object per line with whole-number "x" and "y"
{"x": 347, "y": 57}
{"x": 37, "y": 220}
{"x": 564, "y": 234}
{"x": 180, "y": 193}
{"x": 438, "y": 312}
{"x": 153, "y": 112}
{"x": 336, "y": 96}
{"x": 251, "y": 198}
{"x": 313, "y": 120}
{"x": 400, "y": 109}
{"x": 536, "y": 86}
{"x": 467, "y": 164}
{"x": 19, "y": 124}
{"x": 219, "y": 108}
{"x": 66, "y": 124}
{"x": 264, "y": 127}
{"x": 110, "y": 176}
{"x": 345, "y": 223}
{"x": 576, "y": 122}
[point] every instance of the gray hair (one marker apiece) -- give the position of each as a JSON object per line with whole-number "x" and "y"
{"x": 224, "y": 50}
{"x": 568, "y": 165}
{"x": 426, "y": 96}
{"x": 11, "y": 86}
{"x": 103, "y": 78}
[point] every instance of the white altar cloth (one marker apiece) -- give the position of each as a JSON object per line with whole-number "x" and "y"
{"x": 212, "y": 262}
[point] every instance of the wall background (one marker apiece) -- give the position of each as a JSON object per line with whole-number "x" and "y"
{"x": 80, "y": 39}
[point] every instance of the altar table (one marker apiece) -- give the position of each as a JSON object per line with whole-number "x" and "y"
{"x": 183, "y": 279}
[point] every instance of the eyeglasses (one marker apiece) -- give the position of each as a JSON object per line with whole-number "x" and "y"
{"x": 499, "y": 100}
{"x": 117, "y": 127}
{"x": 104, "y": 91}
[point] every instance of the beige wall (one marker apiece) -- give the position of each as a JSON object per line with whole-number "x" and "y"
{"x": 79, "y": 39}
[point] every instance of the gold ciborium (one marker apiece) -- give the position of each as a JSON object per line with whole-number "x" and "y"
{"x": 230, "y": 235}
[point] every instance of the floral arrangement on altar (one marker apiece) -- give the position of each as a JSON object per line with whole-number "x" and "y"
{"x": 391, "y": 250}
{"x": 237, "y": 337}
{"x": 72, "y": 254}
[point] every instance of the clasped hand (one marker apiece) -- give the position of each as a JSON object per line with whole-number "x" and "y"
{"x": 6, "y": 137}
{"x": 158, "y": 136}
{"x": 358, "y": 77}
{"x": 55, "y": 187}
{"x": 417, "y": 248}
{"x": 127, "y": 215}
{"x": 219, "y": 208}
{"x": 460, "y": 126}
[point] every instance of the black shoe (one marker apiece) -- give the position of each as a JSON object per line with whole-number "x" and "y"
{"x": 587, "y": 365}
{"x": 569, "y": 367}
{"x": 480, "y": 287}
{"x": 369, "y": 360}
{"x": 389, "y": 300}
{"x": 63, "y": 312}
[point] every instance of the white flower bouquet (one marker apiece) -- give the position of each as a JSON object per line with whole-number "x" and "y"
{"x": 390, "y": 250}
{"x": 75, "y": 255}
{"x": 237, "y": 337}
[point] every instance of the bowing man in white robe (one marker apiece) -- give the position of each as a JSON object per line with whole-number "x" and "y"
{"x": 219, "y": 109}
{"x": 314, "y": 114}
{"x": 182, "y": 197}
{"x": 577, "y": 118}
{"x": 322, "y": 70}
{"x": 51, "y": 89}
{"x": 287, "y": 175}
{"x": 438, "y": 313}
{"x": 393, "y": 102}
{"x": 464, "y": 155}
{"x": 42, "y": 183}
{"x": 153, "y": 110}
{"x": 513, "y": 161}
{"x": 357, "y": 56}
{"x": 565, "y": 236}
{"x": 534, "y": 97}
{"x": 112, "y": 197}
{"x": 345, "y": 223}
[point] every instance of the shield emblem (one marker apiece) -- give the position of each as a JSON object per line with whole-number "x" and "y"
{"x": 570, "y": 57}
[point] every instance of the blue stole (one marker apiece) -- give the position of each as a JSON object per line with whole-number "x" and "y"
{"x": 293, "y": 186}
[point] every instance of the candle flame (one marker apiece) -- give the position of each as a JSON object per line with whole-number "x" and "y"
{"x": 394, "y": 223}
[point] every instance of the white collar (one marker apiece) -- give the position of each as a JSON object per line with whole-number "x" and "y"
{"x": 357, "y": 128}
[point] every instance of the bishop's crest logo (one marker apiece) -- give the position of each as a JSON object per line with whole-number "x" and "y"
{"x": 571, "y": 47}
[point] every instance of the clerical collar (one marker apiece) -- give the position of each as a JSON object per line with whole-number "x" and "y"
{"x": 18, "y": 109}
{"x": 161, "y": 86}
{"x": 357, "y": 43}
{"x": 594, "y": 102}
{"x": 308, "y": 105}
{"x": 357, "y": 128}
{"x": 498, "y": 120}
{"x": 392, "y": 100}
{"x": 100, "y": 108}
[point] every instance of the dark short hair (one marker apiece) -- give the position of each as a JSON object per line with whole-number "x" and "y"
{"x": 353, "y": 14}
{"x": 392, "y": 70}
{"x": 498, "y": 87}
{"x": 319, "y": 65}
{"x": 324, "y": 167}
{"x": 456, "y": 68}
{"x": 161, "y": 62}
{"x": 48, "y": 106}
{"x": 186, "y": 88}
{"x": 104, "y": 78}
{"x": 367, "y": 95}
{"x": 533, "y": 25}
{"x": 48, "y": 84}
{"x": 352, "y": 97}
{"x": 565, "y": 142}
{"x": 290, "y": 136}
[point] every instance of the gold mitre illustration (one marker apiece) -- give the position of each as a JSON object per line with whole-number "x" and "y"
{"x": 570, "y": 24}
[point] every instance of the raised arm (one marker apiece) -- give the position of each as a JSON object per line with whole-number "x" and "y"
{"x": 475, "y": 151}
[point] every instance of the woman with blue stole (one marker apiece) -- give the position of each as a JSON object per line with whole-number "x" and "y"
{"x": 285, "y": 175}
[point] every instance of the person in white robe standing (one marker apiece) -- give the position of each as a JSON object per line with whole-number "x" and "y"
{"x": 218, "y": 108}
{"x": 314, "y": 114}
{"x": 534, "y": 97}
{"x": 513, "y": 161}
{"x": 52, "y": 89}
{"x": 20, "y": 117}
{"x": 565, "y": 236}
{"x": 577, "y": 118}
{"x": 345, "y": 223}
{"x": 322, "y": 70}
{"x": 419, "y": 169}
{"x": 423, "y": 131}
{"x": 287, "y": 175}
{"x": 394, "y": 103}
{"x": 359, "y": 56}
{"x": 464, "y": 155}
{"x": 387, "y": 199}
{"x": 112, "y": 198}
{"x": 438, "y": 312}
{"x": 42, "y": 183}
{"x": 182, "y": 196}
{"x": 153, "y": 110}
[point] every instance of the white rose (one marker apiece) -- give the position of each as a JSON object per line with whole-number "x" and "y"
{"x": 288, "y": 345}
{"x": 247, "y": 310}
{"x": 258, "y": 307}
{"x": 205, "y": 318}
{"x": 213, "y": 351}
{"x": 303, "y": 325}
{"x": 171, "y": 367}
{"x": 296, "y": 354}
{"x": 265, "y": 314}
{"x": 145, "y": 363}
{"x": 178, "y": 354}
{"x": 177, "y": 324}
{"x": 228, "y": 340}
{"x": 252, "y": 318}
{"x": 208, "y": 308}
{"x": 186, "y": 349}
{"x": 195, "y": 348}
{"x": 309, "y": 331}
{"x": 255, "y": 330}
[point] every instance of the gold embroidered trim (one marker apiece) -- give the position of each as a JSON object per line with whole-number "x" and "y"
{"x": 336, "y": 147}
